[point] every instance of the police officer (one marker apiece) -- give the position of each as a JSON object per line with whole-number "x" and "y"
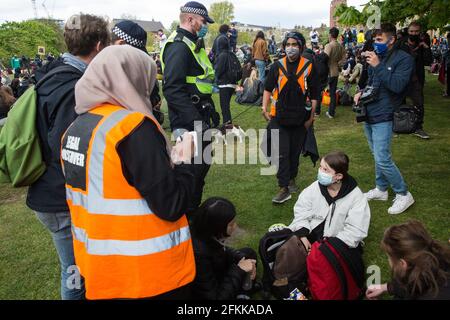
{"x": 188, "y": 83}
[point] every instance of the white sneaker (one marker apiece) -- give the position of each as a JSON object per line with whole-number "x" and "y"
{"x": 401, "y": 203}
{"x": 329, "y": 115}
{"x": 376, "y": 194}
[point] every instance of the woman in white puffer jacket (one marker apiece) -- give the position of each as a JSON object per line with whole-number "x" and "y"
{"x": 333, "y": 206}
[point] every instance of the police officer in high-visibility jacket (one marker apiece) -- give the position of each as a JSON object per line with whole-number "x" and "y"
{"x": 188, "y": 83}
{"x": 127, "y": 199}
{"x": 290, "y": 83}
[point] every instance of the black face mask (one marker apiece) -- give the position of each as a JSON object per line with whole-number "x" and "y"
{"x": 414, "y": 38}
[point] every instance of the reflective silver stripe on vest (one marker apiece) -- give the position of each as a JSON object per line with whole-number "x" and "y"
{"x": 131, "y": 248}
{"x": 207, "y": 81}
{"x": 115, "y": 207}
{"x": 94, "y": 202}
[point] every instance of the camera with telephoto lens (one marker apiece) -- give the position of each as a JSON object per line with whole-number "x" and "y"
{"x": 369, "y": 95}
{"x": 361, "y": 112}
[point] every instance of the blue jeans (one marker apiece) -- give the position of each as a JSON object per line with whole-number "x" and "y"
{"x": 59, "y": 225}
{"x": 387, "y": 174}
{"x": 261, "y": 66}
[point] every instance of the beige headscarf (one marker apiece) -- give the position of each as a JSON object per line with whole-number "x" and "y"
{"x": 120, "y": 75}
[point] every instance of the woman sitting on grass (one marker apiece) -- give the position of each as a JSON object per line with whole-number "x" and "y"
{"x": 420, "y": 265}
{"x": 221, "y": 270}
{"x": 333, "y": 206}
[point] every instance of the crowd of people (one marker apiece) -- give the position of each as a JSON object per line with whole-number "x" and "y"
{"x": 124, "y": 204}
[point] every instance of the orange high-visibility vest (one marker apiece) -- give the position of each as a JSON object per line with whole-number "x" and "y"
{"x": 122, "y": 249}
{"x": 282, "y": 80}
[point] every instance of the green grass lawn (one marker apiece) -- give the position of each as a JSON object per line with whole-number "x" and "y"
{"x": 28, "y": 261}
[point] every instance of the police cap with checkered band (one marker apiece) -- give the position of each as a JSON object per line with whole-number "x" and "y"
{"x": 196, "y": 8}
{"x": 132, "y": 33}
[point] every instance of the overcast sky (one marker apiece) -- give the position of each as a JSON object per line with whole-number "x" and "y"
{"x": 285, "y": 13}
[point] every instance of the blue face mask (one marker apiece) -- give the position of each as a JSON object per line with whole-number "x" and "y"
{"x": 203, "y": 31}
{"x": 324, "y": 179}
{"x": 381, "y": 48}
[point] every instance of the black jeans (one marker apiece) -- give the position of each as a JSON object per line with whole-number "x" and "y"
{"x": 333, "y": 81}
{"x": 319, "y": 102}
{"x": 415, "y": 93}
{"x": 225, "y": 98}
{"x": 291, "y": 141}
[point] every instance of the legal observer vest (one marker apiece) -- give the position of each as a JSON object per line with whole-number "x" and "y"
{"x": 122, "y": 249}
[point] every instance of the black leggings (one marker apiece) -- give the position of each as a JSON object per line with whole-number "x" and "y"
{"x": 225, "y": 98}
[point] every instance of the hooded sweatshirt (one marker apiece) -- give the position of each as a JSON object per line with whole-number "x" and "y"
{"x": 347, "y": 216}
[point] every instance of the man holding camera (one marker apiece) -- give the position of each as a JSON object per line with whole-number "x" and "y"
{"x": 389, "y": 74}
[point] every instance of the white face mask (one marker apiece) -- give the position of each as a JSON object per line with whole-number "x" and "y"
{"x": 293, "y": 53}
{"x": 324, "y": 179}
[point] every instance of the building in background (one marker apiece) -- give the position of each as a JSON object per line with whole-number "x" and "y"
{"x": 245, "y": 27}
{"x": 149, "y": 26}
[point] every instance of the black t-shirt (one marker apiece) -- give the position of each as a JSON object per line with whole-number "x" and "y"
{"x": 313, "y": 81}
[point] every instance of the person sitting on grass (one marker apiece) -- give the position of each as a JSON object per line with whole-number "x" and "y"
{"x": 221, "y": 270}
{"x": 332, "y": 206}
{"x": 420, "y": 265}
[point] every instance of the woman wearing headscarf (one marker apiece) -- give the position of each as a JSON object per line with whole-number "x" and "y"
{"x": 127, "y": 198}
{"x": 221, "y": 270}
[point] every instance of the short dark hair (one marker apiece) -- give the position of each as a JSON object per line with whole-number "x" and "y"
{"x": 161, "y": 30}
{"x": 334, "y": 32}
{"x": 415, "y": 23}
{"x": 338, "y": 161}
{"x": 224, "y": 28}
{"x": 387, "y": 28}
{"x": 87, "y": 30}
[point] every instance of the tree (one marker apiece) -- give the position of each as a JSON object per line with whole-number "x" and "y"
{"x": 152, "y": 43}
{"x": 23, "y": 38}
{"x": 432, "y": 14}
{"x": 221, "y": 13}
{"x": 246, "y": 38}
{"x": 174, "y": 26}
{"x": 349, "y": 16}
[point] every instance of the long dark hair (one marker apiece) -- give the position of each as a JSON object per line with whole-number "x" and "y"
{"x": 259, "y": 35}
{"x": 427, "y": 260}
{"x": 212, "y": 218}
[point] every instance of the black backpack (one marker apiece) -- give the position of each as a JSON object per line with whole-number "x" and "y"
{"x": 286, "y": 114}
{"x": 322, "y": 68}
{"x": 234, "y": 68}
{"x": 269, "y": 251}
{"x": 345, "y": 98}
